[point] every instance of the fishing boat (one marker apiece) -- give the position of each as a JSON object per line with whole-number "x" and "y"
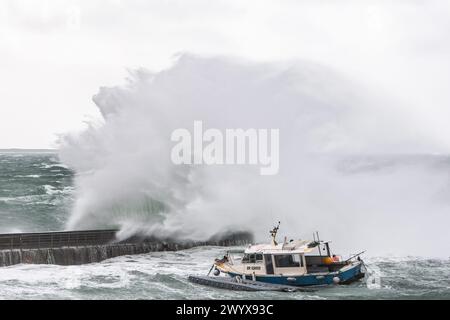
{"x": 290, "y": 263}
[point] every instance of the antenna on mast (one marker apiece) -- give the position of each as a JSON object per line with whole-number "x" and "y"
{"x": 273, "y": 234}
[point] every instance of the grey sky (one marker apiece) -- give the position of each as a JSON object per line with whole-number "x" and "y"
{"x": 54, "y": 55}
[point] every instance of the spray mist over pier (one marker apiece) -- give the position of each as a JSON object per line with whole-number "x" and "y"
{"x": 348, "y": 157}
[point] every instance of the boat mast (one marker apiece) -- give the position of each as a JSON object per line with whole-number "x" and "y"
{"x": 318, "y": 242}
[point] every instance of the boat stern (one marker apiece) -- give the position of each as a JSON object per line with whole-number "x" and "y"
{"x": 352, "y": 272}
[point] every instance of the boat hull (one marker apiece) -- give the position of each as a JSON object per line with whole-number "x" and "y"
{"x": 346, "y": 275}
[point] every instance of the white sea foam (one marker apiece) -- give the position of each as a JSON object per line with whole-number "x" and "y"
{"x": 51, "y": 190}
{"x": 163, "y": 275}
{"x": 53, "y": 165}
{"x": 28, "y": 176}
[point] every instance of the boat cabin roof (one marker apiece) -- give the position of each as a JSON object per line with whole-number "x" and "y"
{"x": 295, "y": 246}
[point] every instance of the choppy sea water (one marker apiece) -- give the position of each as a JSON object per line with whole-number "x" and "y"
{"x": 36, "y": 193}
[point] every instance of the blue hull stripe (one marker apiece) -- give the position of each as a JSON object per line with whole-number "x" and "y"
{"x": 353, "y": 273}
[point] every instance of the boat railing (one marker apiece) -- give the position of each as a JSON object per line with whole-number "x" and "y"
{"x": 232, "y": 255}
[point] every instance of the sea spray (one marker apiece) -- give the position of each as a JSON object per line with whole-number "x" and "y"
{"x": 351, "y": 163}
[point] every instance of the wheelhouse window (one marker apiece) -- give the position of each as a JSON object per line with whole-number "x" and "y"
{"x": 252, "y": 258}
{"x": 287, "y": 260}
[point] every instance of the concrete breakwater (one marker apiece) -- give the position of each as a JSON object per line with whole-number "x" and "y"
{"x": 81, "y": 247}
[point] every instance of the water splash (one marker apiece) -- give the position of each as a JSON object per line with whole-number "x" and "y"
{"x": 351, "y": 163}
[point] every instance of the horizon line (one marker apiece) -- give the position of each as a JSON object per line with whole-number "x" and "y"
{"x": 27, "y": 150}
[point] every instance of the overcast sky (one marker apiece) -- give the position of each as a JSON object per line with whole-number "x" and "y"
{"x": 54, "y": 55}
